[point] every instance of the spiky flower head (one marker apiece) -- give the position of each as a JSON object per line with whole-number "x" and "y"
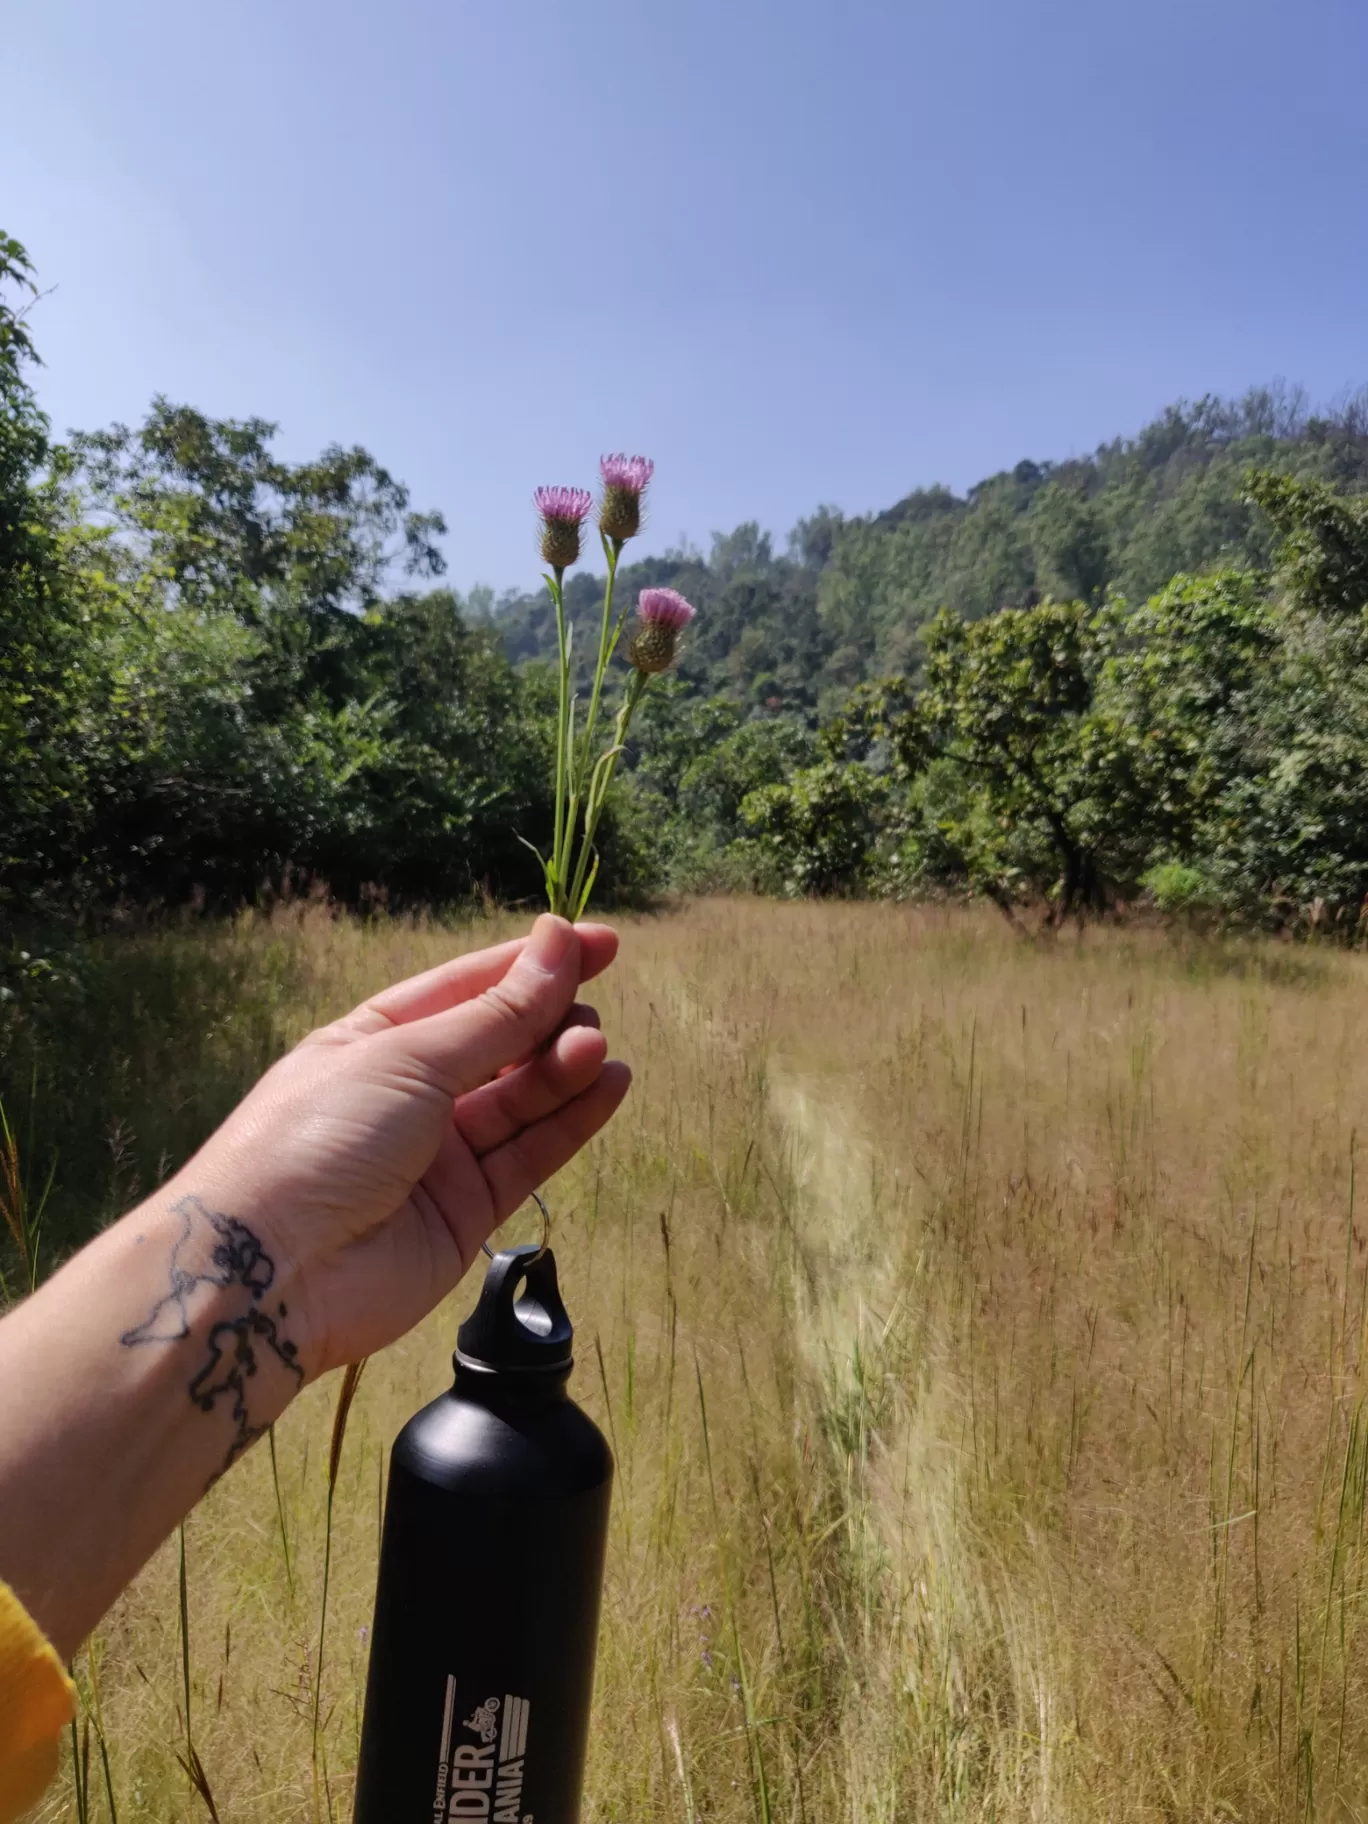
{"x": 563, "y": 512}
{"x": 662, "y": 615}
{"x": 624, "y": 483}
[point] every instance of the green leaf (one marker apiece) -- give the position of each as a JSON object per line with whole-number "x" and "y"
{"x": 588, "y": 887}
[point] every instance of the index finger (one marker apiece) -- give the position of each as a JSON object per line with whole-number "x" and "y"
{"x": 449, "y": 984}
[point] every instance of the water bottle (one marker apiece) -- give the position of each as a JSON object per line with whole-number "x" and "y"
{"x": 491, "y": 1570}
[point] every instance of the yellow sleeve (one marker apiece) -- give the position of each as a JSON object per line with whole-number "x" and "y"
{"x": 35, "y": 1707}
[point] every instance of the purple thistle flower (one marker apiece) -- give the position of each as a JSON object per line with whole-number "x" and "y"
{"x": 563, "y": 511}
{"x": 628, "y": 472}
{"x": 665, "y": 608}
{"x": 569, "y": 504}
{"x": 624, "y": 483}
{"x": 662, "y": 615}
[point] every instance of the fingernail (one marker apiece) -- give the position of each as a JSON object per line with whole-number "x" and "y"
{"x": 551, "y": 938}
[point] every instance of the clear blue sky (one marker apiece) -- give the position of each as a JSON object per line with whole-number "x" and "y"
{"x": 796, "y": 251}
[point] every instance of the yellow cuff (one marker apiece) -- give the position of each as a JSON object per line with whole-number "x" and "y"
{"x": 36, "y": 1704}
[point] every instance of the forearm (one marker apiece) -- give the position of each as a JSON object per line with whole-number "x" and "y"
{"x": 342, "y": 1199}
{"x": 129, "y": 1382}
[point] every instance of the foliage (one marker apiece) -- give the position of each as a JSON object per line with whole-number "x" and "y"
{"x": 1207, "y": 746}
{"x": 1138, "y": 673}
{"x": 1180, "y": 888}
{"x": 819, "y": 830}
{"x": 1123, "y": 521}
{"x": 209, "y": 687}
{"x": 40, "y": 623}
{"x": 758, "y": 639}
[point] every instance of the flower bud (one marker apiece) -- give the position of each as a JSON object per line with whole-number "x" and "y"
{"x": 624, "y": 483}
{"x": 563, "y": 512}
{"x": 662, "y": 615}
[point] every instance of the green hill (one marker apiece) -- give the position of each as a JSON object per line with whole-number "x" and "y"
{"x": 848, "y": 598}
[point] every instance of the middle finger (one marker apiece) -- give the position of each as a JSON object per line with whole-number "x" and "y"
{"x": 494, "y": 1113}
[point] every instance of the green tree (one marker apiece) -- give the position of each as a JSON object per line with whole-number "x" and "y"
{"x": 1069, "y": 544}
{"x": 1004, "y": 701}
{"x": 1285, "y": 840}
{"x": 821, "y": 828}
{"x": 1178, "y": 684}
{"x": 1322, "y": 552}
{"x": 754, "y": 755}
{"x": 297, "y": 550}
{"x": 42, "y": 681}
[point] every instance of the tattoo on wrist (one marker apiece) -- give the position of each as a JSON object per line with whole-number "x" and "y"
{"x": 219, "y": 1251}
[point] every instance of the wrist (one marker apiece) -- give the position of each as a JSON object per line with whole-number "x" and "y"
{"x": 142, "y": 1369}
{"x": 220, "y": 1302}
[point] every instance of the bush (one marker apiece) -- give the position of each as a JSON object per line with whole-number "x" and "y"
{"x": 820, "y": 831}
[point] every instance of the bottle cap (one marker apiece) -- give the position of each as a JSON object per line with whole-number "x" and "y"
{"x": 520, "y": 1324}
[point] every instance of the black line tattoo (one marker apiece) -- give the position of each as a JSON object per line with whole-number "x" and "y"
{"x": 232, "y": 1362}
{"x": 235, "y": 1257}
{"x": 219, "y": 1251}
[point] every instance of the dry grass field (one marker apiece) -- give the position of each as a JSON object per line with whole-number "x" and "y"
{"x": 980, "y": 1328}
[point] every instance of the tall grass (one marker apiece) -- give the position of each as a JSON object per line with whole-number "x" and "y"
{"x": 980, "y": 1329}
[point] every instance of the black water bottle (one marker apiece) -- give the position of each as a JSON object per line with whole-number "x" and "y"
{"x": 491, "y": 1568}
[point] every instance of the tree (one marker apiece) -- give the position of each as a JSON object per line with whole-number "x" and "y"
{"x": 1284, "y": 840}
{"x": 1004, "y": 702}
{"x": 1069, "y": 542}
{"x": 1322, "y": 554}
{"x": 295, "y": 550}
{"x": 1177, "y": 686}
{"x": 41, "y": 681}
{"x": 820, "y": 828}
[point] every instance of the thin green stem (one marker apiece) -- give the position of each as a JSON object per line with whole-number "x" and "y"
{"x": 600, "y": 781}
{"x": 183, "y": 1592}
{"x": 322, "y": 1636}
{"x": 94, "y": 1674}
{"x": 553, "y": 885}
{"x": 579, "y": 762}
{"x": 80, "y": 1765}
{"x": 280, "y": 1511}
{"x": 612, "y": 551}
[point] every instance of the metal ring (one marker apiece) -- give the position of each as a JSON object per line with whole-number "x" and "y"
{"x": 540, "y": 1202}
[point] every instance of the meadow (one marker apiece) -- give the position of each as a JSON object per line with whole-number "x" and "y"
{"x": 979, "y": 1325}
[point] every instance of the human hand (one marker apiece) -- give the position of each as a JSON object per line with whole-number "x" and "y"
{"x": 371, "y": 1162}
{"x": 337, "y": 1204}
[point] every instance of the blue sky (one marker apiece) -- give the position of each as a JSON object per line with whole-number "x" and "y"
{"x": 797, "y": 252}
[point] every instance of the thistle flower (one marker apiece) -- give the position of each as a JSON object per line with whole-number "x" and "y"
{"x": 584, "y": 766}
{"x": 662, "y": 615}
{"x": 624, "y": 483}
{"x": 563, "y": 511}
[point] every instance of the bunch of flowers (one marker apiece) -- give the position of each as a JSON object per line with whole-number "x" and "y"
{"x": 585, "y": 762}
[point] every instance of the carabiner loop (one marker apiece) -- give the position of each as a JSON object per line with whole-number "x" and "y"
{"x": 540, "y": 1202}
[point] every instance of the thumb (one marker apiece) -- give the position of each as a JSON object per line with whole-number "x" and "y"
{"x": 465, "y": 1046}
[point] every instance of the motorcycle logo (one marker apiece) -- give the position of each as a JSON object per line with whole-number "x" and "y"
{"x": 484, "y": 1722}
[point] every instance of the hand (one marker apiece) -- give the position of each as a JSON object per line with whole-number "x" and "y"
{"x": 333, "y": 1209}
{"x": 373, "y": 1160}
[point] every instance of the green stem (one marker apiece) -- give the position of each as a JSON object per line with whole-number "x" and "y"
{"x": 280, "y": 1511}
{"x": 612, "y": 551}
{"x": 600, "y": 781}
{"x": 322, "y": 1636}
{"x": 183, "y": 1592}
{"x": 554, "y": 890}
{"x": 80, "y": 1771}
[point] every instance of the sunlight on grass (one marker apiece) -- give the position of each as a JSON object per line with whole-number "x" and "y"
{"x": 980, "y": 1331}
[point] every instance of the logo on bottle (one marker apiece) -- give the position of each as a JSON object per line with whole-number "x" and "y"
{"x": 483, "y": 1779}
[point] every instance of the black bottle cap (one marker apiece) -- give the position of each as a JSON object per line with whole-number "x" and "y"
{"x": 513, "y": 1330}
